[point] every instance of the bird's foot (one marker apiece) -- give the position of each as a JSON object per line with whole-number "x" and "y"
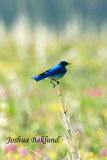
{"x": 53, "y": 84}
{"x": 57, "y": 82}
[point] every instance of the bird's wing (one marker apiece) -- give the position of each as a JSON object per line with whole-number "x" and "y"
{"x": 43, "y": 73}
{"x": 53, "y": 71}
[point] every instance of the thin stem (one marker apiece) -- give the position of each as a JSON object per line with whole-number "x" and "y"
{"x": 38, "y": 154}
{"x": 67, "y": 123}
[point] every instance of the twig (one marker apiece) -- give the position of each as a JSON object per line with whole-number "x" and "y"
{"x": 38, "y": 154}
{"x": 71, "y": 148}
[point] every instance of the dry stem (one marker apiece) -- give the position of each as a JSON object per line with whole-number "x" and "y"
{"x": 64, "y": 110}
{"x": 38, "y": 154}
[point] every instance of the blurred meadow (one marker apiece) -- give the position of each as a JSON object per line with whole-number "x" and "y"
{"x": 29, "y": 108}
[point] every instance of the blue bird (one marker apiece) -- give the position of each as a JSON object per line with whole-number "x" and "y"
{"x": 54, "y": 73}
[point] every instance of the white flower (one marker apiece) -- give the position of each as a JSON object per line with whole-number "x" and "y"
{"x": 3, "y": 105}
{"x": 3, "y": 121}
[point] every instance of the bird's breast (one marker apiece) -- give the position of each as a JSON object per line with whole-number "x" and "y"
{"x": 57, "y": 76}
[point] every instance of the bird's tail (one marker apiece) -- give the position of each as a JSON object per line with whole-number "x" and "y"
{"x": 40, "y": 77}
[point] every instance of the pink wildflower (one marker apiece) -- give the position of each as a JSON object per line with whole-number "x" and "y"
{"x": 103, "y": 152}
{"x": 11, "y": 148}
{"x": 24, "y": 152}
{"x": 95, "y": 92}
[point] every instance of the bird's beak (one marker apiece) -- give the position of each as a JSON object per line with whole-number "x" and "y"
{"x": 69, "y": 63}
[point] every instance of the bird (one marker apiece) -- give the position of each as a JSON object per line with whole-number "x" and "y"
{"x": 53, "y": 74}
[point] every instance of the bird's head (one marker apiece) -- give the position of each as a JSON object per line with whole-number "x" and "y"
{"x": 64, "y": 63}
